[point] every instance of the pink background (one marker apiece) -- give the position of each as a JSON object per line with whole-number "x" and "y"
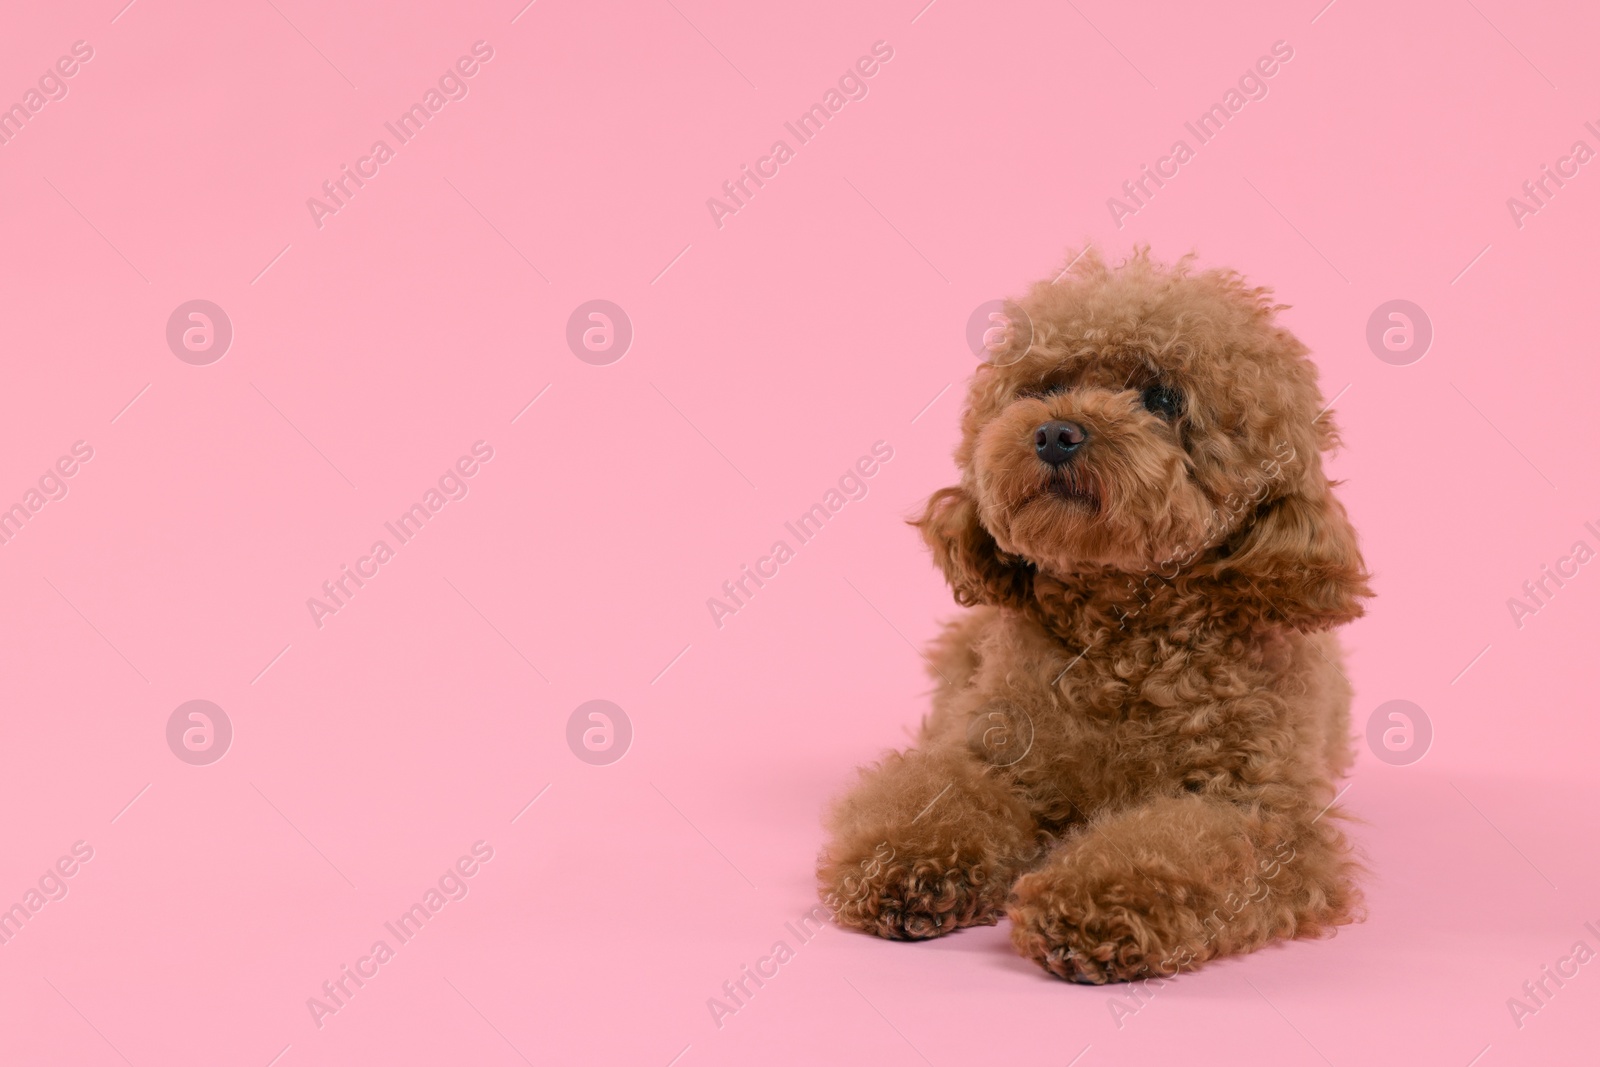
{"x": 826, "y": 315}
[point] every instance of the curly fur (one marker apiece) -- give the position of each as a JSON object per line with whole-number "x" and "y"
{"x": 1133, "y": 748}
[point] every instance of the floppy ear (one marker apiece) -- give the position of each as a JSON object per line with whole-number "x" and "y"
{"x": 977, "y": 570}
{"x": 1300, "y": 555}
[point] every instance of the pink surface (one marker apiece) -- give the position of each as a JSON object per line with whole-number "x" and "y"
{"x": 373, "y": 747}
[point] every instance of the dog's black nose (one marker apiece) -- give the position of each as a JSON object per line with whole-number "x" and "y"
{"x": 1056, "y": 440}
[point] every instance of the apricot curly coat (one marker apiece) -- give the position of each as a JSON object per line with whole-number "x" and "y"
{"x": 1137, "y": 728}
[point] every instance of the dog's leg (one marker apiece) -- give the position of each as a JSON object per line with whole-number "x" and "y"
{"x": 1162, "y": 887}
{"x": 926, "y": 843}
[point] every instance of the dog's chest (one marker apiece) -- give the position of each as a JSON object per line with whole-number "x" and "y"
{"x": 1116, "y": 707}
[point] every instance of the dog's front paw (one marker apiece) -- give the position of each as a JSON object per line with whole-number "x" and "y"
{"x": 1073, "y": 937}
{"x": 911, "y": 898}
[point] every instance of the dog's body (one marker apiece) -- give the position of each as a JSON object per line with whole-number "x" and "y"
{"x": 1136, "y": 730}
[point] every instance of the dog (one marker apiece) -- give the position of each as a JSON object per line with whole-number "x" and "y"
{"x": 1137, "y": 728}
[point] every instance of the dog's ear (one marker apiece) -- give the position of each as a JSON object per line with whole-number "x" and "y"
{"x": 977, "y": 570}
{"x": 1300, "y": 555}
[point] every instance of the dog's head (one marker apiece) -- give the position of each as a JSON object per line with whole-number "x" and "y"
{"x": 1148, "y": 420}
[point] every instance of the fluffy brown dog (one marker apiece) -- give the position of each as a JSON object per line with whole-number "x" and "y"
{"x": 1137, "y": 728}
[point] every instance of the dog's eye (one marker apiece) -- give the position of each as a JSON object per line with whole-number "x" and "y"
{"x": 1163, "y": 400}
